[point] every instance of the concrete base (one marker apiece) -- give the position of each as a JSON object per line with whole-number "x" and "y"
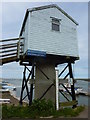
{"x": 42, "y": 83}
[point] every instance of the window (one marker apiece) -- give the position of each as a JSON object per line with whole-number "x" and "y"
{"x": 55, "y": 24}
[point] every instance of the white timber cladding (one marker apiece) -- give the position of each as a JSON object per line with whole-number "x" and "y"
{"x": 40, "y": 36}
{"x": 25, "y": 34}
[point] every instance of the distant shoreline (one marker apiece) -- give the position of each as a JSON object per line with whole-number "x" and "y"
{"x": 83, "y": 79}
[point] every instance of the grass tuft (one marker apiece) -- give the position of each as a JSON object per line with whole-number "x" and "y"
{"x": 39, "y": 108}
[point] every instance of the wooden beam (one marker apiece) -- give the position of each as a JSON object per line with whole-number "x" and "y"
{"x": 3, "y": 45}
{"x": 12, "y": 39}
{"x": 7, "y": 51}
{"x": 7, "y": 47}
{"x": 6, "y": 55}
{"x": 8, "y": 60}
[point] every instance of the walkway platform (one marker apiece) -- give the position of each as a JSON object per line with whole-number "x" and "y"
{"x": 9, "y": 50}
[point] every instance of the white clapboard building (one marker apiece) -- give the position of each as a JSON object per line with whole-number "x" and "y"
{"x": 48, "y": 37}
{"x": 49, "y": 30}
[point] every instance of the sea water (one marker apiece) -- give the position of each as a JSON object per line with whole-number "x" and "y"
{"x": 82, "y": 100}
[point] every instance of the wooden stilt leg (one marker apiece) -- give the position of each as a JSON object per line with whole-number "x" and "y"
{"x": 72, "y": 85}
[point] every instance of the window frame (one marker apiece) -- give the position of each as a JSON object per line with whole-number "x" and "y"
{"x": 55, "y": 21}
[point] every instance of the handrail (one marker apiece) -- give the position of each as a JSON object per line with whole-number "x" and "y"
{"x": 14, "y": 53}
{"x": 8, "y": 44}
{"x": 11, "y": 39}
{"x": 9, "y": 49}
{"x": 8, "y": 54}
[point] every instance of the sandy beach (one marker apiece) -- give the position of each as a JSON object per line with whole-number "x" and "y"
{"x": 7, "y": 95}
{"x": 13, "y": 99}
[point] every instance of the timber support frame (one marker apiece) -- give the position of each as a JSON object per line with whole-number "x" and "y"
{"x": 70, "y": 73}
{"x": 29, "y": 89}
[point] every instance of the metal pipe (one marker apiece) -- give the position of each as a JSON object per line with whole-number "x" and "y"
{"x": 57, "y": 90}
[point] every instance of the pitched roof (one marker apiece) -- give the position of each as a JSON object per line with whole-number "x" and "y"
{"x": 45, "y": 7}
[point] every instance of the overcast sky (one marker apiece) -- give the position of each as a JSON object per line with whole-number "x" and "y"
{"x": 12, "y": 18}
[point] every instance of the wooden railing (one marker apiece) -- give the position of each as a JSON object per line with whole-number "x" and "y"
{"x": 9, "y": 50}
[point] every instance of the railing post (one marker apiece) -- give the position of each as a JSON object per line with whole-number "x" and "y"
{"x": 18, "y": 49}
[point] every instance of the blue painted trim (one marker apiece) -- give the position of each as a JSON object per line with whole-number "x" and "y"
{"x": 36, "y": 53}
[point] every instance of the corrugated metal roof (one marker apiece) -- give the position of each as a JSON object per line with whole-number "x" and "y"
{"x": 45, "y": 7}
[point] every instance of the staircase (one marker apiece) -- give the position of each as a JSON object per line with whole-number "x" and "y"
{"x": 9, "y": 50}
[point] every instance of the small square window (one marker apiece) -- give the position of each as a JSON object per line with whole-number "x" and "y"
{"x": 55, "y": 27}
{"x": 55, "y": 24}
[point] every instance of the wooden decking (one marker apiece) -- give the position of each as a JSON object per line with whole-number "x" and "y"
{"x": 9, "y": 50}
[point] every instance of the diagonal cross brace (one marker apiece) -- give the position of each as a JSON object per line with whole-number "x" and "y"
{"x": 22, "y": 86}
{"x": 66, "y": 89}
{"x": 64, "y": 95}
{"x": 43, "y": 73}
{"x": 62, "y": 71}
{"x": 28, "y": 77}
{"x": 25, "y": 84}
{"x": 46, "y": 91}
